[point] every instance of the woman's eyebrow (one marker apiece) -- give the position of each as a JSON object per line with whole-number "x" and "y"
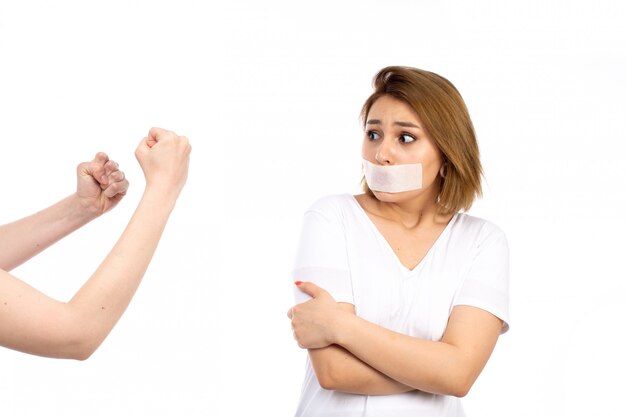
{"x": 399, "y": 123}
{"x": 407, "y": 124}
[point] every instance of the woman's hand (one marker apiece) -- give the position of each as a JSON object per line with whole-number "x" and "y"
{"x": 164, "y": 159}
{"x": 314, "y": 322}
{"x": 100, "y": 184}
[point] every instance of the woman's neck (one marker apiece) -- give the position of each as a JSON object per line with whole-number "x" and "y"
{"x": 411, "y": 212}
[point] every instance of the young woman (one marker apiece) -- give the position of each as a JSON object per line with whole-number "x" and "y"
{"x": 34, "y": 323}
{"x": 407, "y": 295}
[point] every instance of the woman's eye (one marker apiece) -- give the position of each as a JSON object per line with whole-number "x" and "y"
{"x": 406, "y": 138}
{"x": 372, "y": 135}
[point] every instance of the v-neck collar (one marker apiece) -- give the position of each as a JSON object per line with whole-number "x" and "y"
{"x": 380, "y": 236}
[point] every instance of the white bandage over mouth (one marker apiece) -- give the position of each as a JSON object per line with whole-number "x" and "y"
{"x": 393, "y": 178}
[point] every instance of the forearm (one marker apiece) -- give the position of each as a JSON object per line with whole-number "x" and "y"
{"x": 339, "y": 370}
{"x": 99, "y": 304}
{"x": 25, "y": 238}
{"x": 432, "y": 366}
{"x": 34, "y": 323}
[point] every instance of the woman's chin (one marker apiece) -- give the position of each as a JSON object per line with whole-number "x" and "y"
{"x": 392, "y": 197}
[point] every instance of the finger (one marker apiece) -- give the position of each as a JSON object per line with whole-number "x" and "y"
{"x": 151, "y": 142}
{"x": 92, "y": 169}
{"x": 104, "y": 173}
{"x": 120, "y": 188}
{"x": 97, "y": 164}
{"x": 101, "y": 158}
{"x": 142, "y": 148}
{"x": 110, "y": 167}
{"x": 310, "y": 288}
{"x": 290, "y": 313}
{"x": 156, "y": 134}
{"x": 116, "y": 189}
{"x": 117, "y": 176}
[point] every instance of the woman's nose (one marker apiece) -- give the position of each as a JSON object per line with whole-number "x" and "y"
{"x": 384, "y": 153}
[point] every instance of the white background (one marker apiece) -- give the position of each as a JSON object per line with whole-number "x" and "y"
{"x": 269, "y": 94}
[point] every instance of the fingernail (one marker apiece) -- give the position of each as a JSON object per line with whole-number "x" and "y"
{"x": 298, "y": 282}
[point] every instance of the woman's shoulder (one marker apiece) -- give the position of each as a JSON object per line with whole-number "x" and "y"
{"x": 332, "y": 202}
{"x": 332, "y": 206}
{"x": 481, "y": 229}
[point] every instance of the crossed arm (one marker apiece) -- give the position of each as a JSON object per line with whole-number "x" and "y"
{"x": 352, "y": 355}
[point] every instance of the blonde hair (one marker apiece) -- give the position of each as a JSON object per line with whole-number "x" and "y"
{"x": 444, "y": 115}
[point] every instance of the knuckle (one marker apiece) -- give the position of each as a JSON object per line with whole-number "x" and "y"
{"x": 102, "y": 155}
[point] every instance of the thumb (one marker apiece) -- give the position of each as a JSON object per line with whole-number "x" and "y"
{"x": 156, "y": 134}
{"x": 142, "y": 148}
{"x": 310, "y": 288}
{"x": 94, "y": 169}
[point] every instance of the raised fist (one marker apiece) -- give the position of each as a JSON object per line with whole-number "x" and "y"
{"x": 100, "y": 184}
{"x": 164, "y": 159}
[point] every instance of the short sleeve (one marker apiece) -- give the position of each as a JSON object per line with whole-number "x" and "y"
{"x": 321, "y": 256}
{"x": 486, "y": 285}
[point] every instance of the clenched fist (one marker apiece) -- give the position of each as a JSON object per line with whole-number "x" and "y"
{"x": 100, "y": 184}
{"x": 164, "y": 159}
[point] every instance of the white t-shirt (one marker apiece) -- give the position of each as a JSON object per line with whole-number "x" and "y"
{"x": 342, "y": 251}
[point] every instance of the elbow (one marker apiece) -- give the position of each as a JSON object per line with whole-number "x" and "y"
{"x": 61, "y": 332}
{"x": 460, "y": 391}
{"x": 76, "y": 341}
{"x": 82, "y": 353}
{"x": 336, "y": 378}
{"x": 457, "y": 378}
{"x": 83, "y": 344}
{"x": 330, "y": 376}
{"x": 327, "y": 380}
{"x": 77, "y": 347}
{"x": 460, "y": 385}
{"x": 327, "y": 384}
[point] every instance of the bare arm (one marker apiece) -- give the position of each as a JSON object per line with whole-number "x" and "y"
{"x": 33, "y": 323}
{"x": 100, "y": 186}
{"x": 449, "y": 366}
{"x": 338, "y": 369}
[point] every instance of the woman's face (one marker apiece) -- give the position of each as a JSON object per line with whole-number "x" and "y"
{"x": 394, "y": 135}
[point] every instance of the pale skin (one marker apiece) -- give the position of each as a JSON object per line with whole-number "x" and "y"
{"x": 34, "y": 323}
{"x": 352, "y": 355}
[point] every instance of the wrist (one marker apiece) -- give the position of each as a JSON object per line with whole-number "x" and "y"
{"x": 160, "y": 197}
{"x": 342, "y": 327}
{"x": 78, "y": 211}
